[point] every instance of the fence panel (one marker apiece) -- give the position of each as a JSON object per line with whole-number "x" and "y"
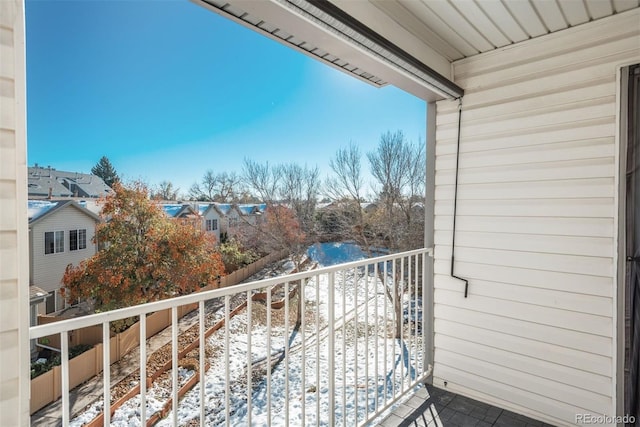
{"x": 41, "y": 391}
{"x": 82, "y": 368}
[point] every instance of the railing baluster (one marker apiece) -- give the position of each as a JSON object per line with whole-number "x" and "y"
{"x": 303, "y": 337}
{"x": 249, "y": 370}
{"x": 366, "y": 342}
{"x": 317, "y": 351}
{"x": 395, "y": 289}
{"x": 415, "y": 317}
{"x": 385, "y": 284}
{"x": 403, "y": 283}
{"x": 286, "y": 353}
{"x": 344, "y": 348}
{"x": 106, "y": 373}
{"x": 331, "y": 351}
{"x": 356, "y": 285}
{"x": 227, "y": 390}
{"x": 143, "y": 369}
{"x": 269, "y": 290}
{"x": 174, "y": 363}
{"x": 64, "y": 347}
{"x": 377, "y": 335}
{"x": 201, "y": 339}
{"x": 426, "y": 329}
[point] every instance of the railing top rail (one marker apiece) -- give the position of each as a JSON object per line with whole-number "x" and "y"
{"x": 123, "y": 313}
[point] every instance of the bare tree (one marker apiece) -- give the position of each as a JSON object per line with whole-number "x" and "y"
{"x": 398, "y": 167}
{"x": 165, "y": 191}
{"x": 345, "y": 188}
{"x": 263, "y": 179}
{"x": 222, "y": 187}
{"x": 299, "y": 189}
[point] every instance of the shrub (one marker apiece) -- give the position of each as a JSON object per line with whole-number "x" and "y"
{"x": 38, "y": 369}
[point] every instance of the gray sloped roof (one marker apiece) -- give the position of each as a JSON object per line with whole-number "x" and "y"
{"x": 64, "y": 184}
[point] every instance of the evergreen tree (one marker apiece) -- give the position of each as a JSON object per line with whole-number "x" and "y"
{"x": 105, "y": 170}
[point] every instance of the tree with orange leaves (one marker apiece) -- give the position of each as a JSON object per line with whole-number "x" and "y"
{"x": 145, "y": 256}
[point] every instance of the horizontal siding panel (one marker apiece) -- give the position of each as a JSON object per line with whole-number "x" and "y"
{"x": 572, "y": 150}
{"x": 517, "y": 124}
{"x": 554, "y": 226}
{"x": 558, "y": 100}
{"x": 558, "y": 189}
{"x": 543, "y": 279}
{"x": 571, "y": 320}
{"x": 562, "y": 375}
{"x": 536, "y": 332}
{"x": 547, "y": 171}
{"x": 577, "y": 131}
{"x": 559, "y": 355}
{"x": 592, "y": 266}
{"x": 506, "y": 395}
{"x": 541, "y": 386}
{"x": 582, "y": 246}
{"x": 586, "y": 208}
{"x": 552, "y": 298}
{"x": 574, "y": 79}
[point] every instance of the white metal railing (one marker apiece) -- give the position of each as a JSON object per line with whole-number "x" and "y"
{"x": 357, "y": 348}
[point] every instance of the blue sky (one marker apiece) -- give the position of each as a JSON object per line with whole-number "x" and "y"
{"x": 168, "y": 90}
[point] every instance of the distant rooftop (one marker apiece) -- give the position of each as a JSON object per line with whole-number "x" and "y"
{"x": 50, "y": 182}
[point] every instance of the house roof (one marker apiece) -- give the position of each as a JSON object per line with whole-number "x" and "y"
{"x": 247, "y": 209}
{"x": 410, "y": 44}
{"x": 39, "y": 209}
{"x": 223, "y": 208}
{"x": 43, "y": 182}
{"x": 177, "y": 210}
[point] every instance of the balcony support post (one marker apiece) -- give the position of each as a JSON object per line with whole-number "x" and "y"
{"x": 427, "y": 265}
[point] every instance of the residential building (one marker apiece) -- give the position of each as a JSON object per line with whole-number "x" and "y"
{"x": 211, "y": 218}
{"x": 60, "y": 233}
{"x": 179, "y": 210}
{"x": 532, "y": 111}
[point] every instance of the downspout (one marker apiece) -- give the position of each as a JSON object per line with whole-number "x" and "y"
{"x": 455, "y": 205}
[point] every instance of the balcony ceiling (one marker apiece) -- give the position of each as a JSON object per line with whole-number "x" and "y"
{"x": 458, "y": 29}
{"x": 409, "y": 43}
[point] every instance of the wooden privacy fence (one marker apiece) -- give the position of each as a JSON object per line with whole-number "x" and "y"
{"x": 46, "y": 388}
{"x": 248, "y": 271}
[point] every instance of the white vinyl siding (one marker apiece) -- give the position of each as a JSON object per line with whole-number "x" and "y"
{"x": 212, "y": 223}
{"x": 47, "y": 269}
{"x": 14, "y": 250}
{"x": 536, "y": 222}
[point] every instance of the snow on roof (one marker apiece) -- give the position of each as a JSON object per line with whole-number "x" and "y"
{"x": 247, "y": 209}
{"x": 202, "y": 208}
{"x": 37, "y": 208}
{"x": 224, "y": 207}
{"x": 172, "y": 209}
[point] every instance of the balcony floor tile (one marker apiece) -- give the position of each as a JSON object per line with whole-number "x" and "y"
{"x": 440, "y": 408}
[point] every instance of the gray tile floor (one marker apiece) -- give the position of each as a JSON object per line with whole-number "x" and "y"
{"x": 434, "y": 407}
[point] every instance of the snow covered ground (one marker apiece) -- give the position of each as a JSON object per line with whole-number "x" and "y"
{"x": 365, "y": 364}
